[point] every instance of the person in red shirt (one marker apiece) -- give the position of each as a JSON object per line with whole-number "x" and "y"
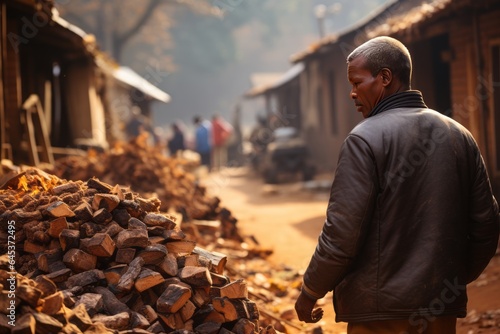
{"x": 221, "y": 131}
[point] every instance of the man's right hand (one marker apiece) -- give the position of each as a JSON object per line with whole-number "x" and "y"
{"x": 304, "y": 306}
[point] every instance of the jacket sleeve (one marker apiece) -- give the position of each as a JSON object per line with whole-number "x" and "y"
{"x": 352, "y": 200}
{"x": 484, "y": 222}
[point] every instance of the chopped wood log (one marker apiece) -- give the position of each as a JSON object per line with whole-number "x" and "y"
{"x": 138, "y": 321}
{"x": 56, "y": 266}
{"x": 156, "y": 231}
{"x": 79, "y": 261}
{"x": 28, "y": 294}
{"x": 133, "y": 208}
{"x": 21, "y": 217}
{"x": 153, "y": 254}
{"x": 126, "y": 282}
{"x": 149, "y": 313}
{"x": 83, "y": 212}
{"x": 86, "y": 278}
{"x": 70, "y": 187}
{"x": 225, "y": 331}
{"x": 156, "y": 219}
{"x": 117, "y": 321}
{"x": 45, "y": 324}
{"x": 150, "y": 297}
{"x": 48, "y": 257}
{"x": 100, "y": 244}
{"x": 236, "y": 289}
{"x": 233, "y": 309}
{"x": 147, "y": 279}
{"x": 93, "y": 303}
{"x": 136, "y": 224}
{"x": 121, "y": 216}
{"x": 187, "y": 311}
{"x": 244, "y": 326}
{"x": 114, "y": 274}
{"x": 55, "y": 244}
{"x": 79, "y": 317}
{"x": 46, "y": 285}
{"x": 173, "y": 298}
{"x": 102, "y": 216}
{"x": 188, "y": 260}
{"x": 181, "y": 247}
{"x": 217, "y": 259}
{"x": 59, "y": 209}
{"x": 112, "y": 229}
{"x": 156, "y": 327}
{"x": 208, "y": 328}
{"x": 133, "y": 299}
{"x": 118, "y": 191}
{"x": 89, "y": 229}
{"x": 26, "y": 324}
{"x": 125, "y": 255}
{"x": 149, "y": 204}
{"x": 32, "y": 247}
{"x": 172, "y": 320}
{"x": 207, "y": 313}
{"x": 195, "y": 276}
{"x": 169, "y": 265}
{"x": 111, "y": 304}
{"x": 219, "y": 280}
{"x": 52, "y": 304}
{"x": 56, "y": 226}
{"x": 69, "y": 239}
{"x": 99, "y": 186}
{"x": 132, "y": 238}
{"x": 59, "y": 276}
{"x": 105, "y": 201}
{"x": 200, "y": 297}
{"x": 174, "y": 235}
{"x": 156, "y": 239}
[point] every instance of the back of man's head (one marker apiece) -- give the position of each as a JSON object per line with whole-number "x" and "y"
{"x": 385, "y": 52}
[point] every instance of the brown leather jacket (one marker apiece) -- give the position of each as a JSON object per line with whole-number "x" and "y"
{"x": 411, "y": 220}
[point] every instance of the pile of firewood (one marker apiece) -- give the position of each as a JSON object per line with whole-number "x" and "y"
{"x": 93, "y": 258}
{"x": 150, "y": 173}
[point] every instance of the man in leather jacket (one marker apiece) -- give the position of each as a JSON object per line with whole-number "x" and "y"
{"x": 411, "y": 218}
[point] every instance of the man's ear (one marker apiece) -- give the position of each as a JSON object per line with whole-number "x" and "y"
{"x": 386, "y": 75}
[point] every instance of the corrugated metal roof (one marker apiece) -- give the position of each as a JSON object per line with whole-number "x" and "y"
{"x": 277, "y": 81}
{"x": 131, "y": 78}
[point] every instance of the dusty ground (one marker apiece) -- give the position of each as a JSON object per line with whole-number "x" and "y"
{"x": 288, "y": 218}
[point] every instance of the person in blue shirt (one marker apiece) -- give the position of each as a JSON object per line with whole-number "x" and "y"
{"x": 203, "y": 144}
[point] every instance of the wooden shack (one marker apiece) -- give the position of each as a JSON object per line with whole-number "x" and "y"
{"x": 58, "y": 91}
{"x": 455, "y": 47}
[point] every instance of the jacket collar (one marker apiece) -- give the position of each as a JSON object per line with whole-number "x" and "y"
{"x": 406, "y": 99}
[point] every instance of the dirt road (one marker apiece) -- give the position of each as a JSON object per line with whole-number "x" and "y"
{"x": 288, "y": 218}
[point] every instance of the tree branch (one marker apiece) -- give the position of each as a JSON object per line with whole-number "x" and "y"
{"x": 121, "y": 39}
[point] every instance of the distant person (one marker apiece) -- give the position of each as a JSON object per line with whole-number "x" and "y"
{"x": 221, "y": 131}
{"x": 176, "y": 143}
{"x": 260, "y": 136}
{"x": 411, "y": 218}
{"x": 137, "y": 123}
{"x": 203, "y": 145}
{"x": 235, "y": 142}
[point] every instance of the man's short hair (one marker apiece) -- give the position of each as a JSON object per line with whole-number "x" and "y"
{"x": 385, "y": 52}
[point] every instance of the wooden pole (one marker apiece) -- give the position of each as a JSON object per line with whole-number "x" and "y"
{"x": 3, "y": 39}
